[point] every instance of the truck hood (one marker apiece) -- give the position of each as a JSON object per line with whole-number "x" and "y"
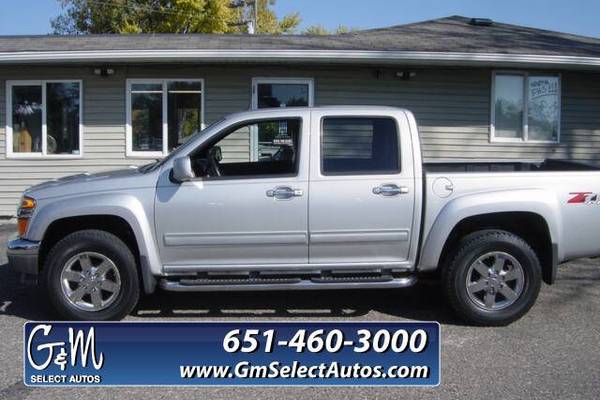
{"x": 128, "y": 178}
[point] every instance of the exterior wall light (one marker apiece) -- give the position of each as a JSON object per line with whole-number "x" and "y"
{"x": 104, "y": 72}
{"x": 406, "y": 75}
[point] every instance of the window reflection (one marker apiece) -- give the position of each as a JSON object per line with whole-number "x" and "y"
{"x": 282, "y": 95}
{"x": 509, "y": 106}
{"x": 543, "y": 109}
{"x": 146, "y": 117}
{"x": 62, "y": 117}
{"x": 184, "y": 111}
{"x": 27, "y": 119}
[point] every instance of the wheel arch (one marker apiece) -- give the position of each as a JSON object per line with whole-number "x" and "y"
{"x": 123, "y": 216}
{"x": 520, "y": 212}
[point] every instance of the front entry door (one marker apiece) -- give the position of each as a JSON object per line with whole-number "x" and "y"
{"x": 362, "y": 190}
{"x": 239, "y": 211}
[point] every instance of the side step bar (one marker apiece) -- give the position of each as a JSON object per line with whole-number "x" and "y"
{"x": 255, "y": 284}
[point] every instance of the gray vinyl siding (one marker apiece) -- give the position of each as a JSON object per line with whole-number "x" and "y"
{"x": 236, "y": 147}
{"x": 452, "y": 108}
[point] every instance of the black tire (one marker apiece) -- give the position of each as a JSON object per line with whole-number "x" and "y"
{"x": 470, "y": 248}
{"x": 103, "y": 243}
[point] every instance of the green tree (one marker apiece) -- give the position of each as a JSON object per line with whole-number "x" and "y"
{"x": 269, "y": 23}
{"x": 321, "y": 30}
{"x": 165, "y": 16}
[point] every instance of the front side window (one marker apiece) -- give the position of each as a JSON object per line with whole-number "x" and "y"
{"x": 44, "y": 118}
{"x": 162, "y": 115}
{"x": 230, "y": 156}
{"x": 359, "y": 146}
{"x": 526, "y": 107}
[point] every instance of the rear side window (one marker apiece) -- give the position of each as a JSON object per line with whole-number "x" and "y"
{"x": 359, "y": 146}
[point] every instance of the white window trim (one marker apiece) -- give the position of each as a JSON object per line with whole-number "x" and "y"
{"x": 129, "y": 152}
{"x": 276, "y": 80}
{"x": 525, "y": 124}
{"x": 9, "y": 128}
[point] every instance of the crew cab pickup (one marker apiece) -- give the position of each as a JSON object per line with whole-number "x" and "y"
{"x": 308, "y": 198}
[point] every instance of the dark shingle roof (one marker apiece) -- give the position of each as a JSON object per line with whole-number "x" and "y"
{"x": 451, "y": 34}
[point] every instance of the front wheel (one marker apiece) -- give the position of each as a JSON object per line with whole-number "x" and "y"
{"x": 92, "y": 275}
{"x": 493, "y": 278}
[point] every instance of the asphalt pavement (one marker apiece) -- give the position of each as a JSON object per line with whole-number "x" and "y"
{"x": 551, "y": 353}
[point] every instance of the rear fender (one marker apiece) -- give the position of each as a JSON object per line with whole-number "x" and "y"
{"x": 537, "y": 201}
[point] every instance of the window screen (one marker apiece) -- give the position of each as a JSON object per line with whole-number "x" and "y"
{"x": 359, "y": 146}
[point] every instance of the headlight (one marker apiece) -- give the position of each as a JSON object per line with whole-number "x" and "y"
{"x": 25, "y": 211}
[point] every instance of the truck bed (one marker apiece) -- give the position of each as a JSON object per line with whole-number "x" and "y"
{"x": 507, "y": 166}
{"x": 566, "y": 194}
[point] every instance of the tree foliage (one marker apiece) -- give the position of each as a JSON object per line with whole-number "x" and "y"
{"x": 166, "y": 16}
{"x": 321, "y": 30}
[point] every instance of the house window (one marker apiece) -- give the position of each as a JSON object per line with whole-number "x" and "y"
{"x": 43, "y": 119}
{"x": 525, "y": 108}
{"x": 162, "y": 114}
{"x": 276, "y": 93}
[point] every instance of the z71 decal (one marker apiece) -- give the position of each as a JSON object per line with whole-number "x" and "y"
{"x": 584, "y": 198}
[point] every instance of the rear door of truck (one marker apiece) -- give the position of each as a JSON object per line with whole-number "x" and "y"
{"x": 362, "y": 187}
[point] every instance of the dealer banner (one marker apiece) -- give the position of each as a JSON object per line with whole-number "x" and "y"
{"x": 231, "y": 354}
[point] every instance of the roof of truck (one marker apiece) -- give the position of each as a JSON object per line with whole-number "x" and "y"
{"x": 291, "y": 110}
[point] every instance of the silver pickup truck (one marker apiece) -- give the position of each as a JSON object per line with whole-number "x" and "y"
{"x": 308, "y": 198}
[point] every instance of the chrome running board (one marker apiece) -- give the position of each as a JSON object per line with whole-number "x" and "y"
{"x": 286, "y": 283}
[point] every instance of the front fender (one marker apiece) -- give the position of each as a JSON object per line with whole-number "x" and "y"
{"x": 538, "y": 201}
{"x": 126, "y": 206}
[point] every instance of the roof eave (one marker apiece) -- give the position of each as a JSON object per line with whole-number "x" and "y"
{"x": 309, "y": 56}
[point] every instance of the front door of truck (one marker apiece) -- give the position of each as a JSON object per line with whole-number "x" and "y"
{"x": 240, "y": 210}
{"x": 362, "y": 189}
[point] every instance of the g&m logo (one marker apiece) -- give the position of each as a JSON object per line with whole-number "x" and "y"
{"x": 584, "y": 198}
{"x": 61, "y": 355}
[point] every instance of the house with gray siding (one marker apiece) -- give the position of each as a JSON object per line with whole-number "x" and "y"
{"x": 479, "y": 90}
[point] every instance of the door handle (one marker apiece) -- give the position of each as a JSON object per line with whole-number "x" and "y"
{"x": 390, "y": 190}
{"x": 284, "y": 192}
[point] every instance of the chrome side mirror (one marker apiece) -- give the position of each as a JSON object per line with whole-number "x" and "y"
{"x": 182, "y": 169}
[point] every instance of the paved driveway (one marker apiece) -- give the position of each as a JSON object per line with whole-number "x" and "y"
{"x": 553, "y": 352}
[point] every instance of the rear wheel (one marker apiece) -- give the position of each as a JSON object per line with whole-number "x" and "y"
{"x": 493, "y": 278}
{"x": 92, "y": 275}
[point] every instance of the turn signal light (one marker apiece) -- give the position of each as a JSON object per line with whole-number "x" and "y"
{"x": 22, "y": 225}
{"x": 25, "y": 211}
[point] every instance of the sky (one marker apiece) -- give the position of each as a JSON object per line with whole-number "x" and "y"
{"x": 573, "y": 16}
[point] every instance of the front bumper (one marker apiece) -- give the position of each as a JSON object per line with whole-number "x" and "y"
{"x": 23, "y": 255}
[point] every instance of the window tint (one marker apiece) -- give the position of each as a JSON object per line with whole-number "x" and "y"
{"x": 233, "y": 156}
{"x": 359, "y": 146}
